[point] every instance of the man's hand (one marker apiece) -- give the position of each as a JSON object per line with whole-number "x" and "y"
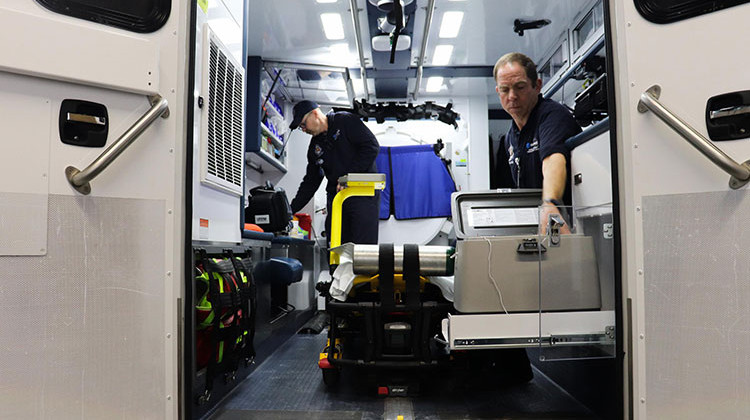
{"x": 339, "y": 187}
{"x": 544, "y": 217}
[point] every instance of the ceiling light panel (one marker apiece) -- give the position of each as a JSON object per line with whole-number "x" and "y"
{"x": 332, "y": 25}
{"x": 434, "y": 84}
{"x": 442, "y": 55}
{"x": 451, "y": 24}
{"x": 326, "y": 1}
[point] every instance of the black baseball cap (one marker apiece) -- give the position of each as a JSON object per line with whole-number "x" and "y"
{"x": 301, "y": 109}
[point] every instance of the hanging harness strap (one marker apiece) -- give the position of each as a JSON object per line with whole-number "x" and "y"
{"x": 385, "y": 268}
{"x": 213, "y": 293}
{"x": 411, "y": 276}
{"x": 243, "y": 271}
{"x": 225, "y": 332}
{"x": 251, "y": 291}
{"x": 231, "y": 334}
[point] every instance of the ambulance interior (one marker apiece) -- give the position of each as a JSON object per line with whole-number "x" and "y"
{"x": 419, "y": 73}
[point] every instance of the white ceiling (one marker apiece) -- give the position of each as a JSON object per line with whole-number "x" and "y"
{"x": 291, "y": 30}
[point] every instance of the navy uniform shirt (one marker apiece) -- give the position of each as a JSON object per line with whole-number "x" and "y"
{"x": 347, "y": 147}
{"x": 544, "y": 134}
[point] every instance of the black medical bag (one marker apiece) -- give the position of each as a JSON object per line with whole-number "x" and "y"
{"x": 269, "y": 208}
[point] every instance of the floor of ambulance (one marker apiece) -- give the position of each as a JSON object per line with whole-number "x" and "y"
{"x": 289, "y": 385}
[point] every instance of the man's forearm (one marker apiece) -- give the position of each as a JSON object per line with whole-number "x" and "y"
{"x": 555, "y": 175}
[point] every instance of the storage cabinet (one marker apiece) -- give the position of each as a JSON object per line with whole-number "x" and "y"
{"x": 263, "y": 144}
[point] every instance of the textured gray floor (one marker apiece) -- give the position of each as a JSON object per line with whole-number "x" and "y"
{"x": 288, "y": 385}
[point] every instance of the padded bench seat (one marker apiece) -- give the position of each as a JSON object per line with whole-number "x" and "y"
{"x": 278, "y": 271}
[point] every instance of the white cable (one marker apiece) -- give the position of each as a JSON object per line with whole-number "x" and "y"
{"x": 489, "y": 272}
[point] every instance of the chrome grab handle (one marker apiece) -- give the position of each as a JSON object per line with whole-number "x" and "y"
{"x": 729, "y": 111}
{"x": 740, "y": 173}
{"x": 83, "y": 118}
{"x": 80, "y": 179}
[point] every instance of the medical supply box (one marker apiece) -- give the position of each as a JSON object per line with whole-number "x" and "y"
{"x": 504, "y": 265}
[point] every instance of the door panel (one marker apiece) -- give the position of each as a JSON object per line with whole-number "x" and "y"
{"x": 23, "y": 204}
{"x": 91, "y": 322}
{"x": 78, "y": 51}
{"x": 684, "y": 262}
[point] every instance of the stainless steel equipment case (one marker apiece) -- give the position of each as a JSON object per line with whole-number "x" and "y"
{"x": 502, "y": 264}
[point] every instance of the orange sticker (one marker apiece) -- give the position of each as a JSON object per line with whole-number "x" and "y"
{"x": 204, "y": 223}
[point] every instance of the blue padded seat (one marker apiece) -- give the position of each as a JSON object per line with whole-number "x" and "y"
{"x": 281, "y": 271}
{"x": 288, "y": 240}
{"x": 261, "y": 236}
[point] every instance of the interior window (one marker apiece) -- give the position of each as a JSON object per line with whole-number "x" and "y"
{"x": 588, "y": 26}
{"x": 550, "y": 68}
{"x": 132, "y": 15}
{"x": 667, "y": 11}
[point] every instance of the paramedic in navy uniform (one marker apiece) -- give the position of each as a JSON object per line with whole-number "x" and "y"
{"x": 538, "y": 158}
{"x": 535, "y": 141}
{"x": 341, "y": 144}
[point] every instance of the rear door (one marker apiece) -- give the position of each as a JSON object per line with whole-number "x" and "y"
{"x": 88, "y": 285}
{"x": 684, "y": 222}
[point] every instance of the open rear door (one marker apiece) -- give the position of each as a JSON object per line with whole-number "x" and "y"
{"x": 90, "y": 272}
{"x": 682, "y": 129}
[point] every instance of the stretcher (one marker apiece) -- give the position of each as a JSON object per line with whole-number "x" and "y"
{"x": 385, "y": 319}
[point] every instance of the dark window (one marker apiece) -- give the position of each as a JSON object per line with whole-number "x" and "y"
{"x": 132, "y": 15}
{"x": 667, "y": 11}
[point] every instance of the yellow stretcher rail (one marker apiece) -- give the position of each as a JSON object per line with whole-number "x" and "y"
{"x": 354, "y": 185}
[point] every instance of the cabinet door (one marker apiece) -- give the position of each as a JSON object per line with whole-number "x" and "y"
{"x": 90, "y": 297}
{"x": 684, "y": 228}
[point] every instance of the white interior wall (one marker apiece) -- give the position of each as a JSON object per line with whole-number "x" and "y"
{"x": 218, "y": 208}
{"x": 479, "y": 149}
{"x": 296, "y": 164}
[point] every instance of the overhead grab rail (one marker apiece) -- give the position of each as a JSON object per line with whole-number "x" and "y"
{"x": 80, "y": 179}
{"x": 360, "y": 48}
{"x": 423, "y": 50}
{"x": 740, "y": 173}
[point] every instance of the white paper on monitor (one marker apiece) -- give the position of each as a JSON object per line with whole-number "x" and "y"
{"x": 486, "y": 217}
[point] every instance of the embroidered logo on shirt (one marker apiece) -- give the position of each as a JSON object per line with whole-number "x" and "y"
{"x": 533, "y": 146}
{"x": 318, "y": 150}
{"x": 336, "y": 135}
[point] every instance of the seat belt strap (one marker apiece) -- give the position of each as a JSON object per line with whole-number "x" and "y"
{"x": 385, "y": 270}
{"x": 411, "y": 276}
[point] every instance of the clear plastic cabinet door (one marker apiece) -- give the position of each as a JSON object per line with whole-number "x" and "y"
{"x": 575, "y": 247}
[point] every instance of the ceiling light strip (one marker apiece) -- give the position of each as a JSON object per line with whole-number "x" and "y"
{"x": 451, "y": 24}
{"x": 420, "y": 62}
{"x": 358, "y": 37}
{"x": 332, "y": 25}
{"x": 442, "y": 55}
{"x": 434, "y": 84}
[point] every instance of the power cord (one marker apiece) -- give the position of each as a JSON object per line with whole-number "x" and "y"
{"x": 489, "y": 272}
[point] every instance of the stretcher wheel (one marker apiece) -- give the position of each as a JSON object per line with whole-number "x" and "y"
{"x": 331, "y": 376}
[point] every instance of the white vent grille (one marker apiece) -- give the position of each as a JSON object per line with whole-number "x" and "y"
{"x": 222, "y": 134}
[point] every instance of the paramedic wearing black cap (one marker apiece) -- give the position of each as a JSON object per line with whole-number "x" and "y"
{"x": 341, "y": 144}
{"x": 535, "y": 141}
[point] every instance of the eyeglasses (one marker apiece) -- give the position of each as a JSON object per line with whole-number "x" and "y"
{"x": 302, "y": 124}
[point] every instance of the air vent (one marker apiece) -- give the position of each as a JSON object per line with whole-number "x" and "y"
{"x": 222, "y": 139}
